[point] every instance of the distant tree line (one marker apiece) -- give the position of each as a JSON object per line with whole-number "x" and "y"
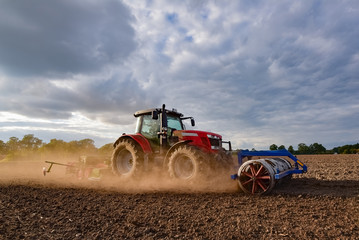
{"x": 347, "y": 149}
{"x": 317, "y": 148}
{"x": 31, "y": 148}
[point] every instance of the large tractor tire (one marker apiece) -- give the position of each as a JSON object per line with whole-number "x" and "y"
{"x": 127, "y": 160}
{"x": 186, "y": 163}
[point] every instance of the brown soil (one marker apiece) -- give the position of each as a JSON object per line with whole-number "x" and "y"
{"x": 321, "y": 204}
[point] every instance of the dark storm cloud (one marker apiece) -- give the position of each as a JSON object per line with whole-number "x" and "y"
{"x": 112, "y": 100}
{"x": 100, "y": 98}
{"x": 258, "y": 72}
{"x": 60, "y": 57}
{"x": 59, "y": 37}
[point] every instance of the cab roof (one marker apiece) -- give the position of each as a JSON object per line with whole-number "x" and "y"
{"x": 172, "y": 112}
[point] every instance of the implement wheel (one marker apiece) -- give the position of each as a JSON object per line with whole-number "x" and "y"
{"x": 185, "y": 163}
{"x": 256, "y": 177}
{"x": 127, "y": 159}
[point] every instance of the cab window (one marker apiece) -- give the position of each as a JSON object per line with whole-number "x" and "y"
{"x": 174, "y": 123}
{"x": 150, "y": 127}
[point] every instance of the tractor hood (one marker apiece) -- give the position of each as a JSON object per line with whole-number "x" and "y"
{"x": 195, "y": 133}
{"x": 207, "y": 140}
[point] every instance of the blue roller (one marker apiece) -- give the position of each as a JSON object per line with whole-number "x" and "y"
{"x": 259, "y": 176}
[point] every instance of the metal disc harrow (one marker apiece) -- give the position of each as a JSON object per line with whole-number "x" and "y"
{"x": 260, "y": 176}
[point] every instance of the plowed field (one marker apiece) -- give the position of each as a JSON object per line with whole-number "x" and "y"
{"x": 321, "y": 204}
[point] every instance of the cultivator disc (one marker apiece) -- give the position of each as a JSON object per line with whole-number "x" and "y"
{"x": 258, "y": 176}
{"x": 255, "y": 177}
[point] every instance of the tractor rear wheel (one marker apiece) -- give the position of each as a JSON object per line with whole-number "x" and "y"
{"x": 127, "y": 159}
{"x": 185, "y": 163}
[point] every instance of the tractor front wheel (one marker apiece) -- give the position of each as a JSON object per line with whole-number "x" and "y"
{"x": 127, "y": 159}
{"x": 185, "y": 163}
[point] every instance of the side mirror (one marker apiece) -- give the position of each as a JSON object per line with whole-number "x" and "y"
{"x": 192, "y": 122}
{"x": 155, "y": 115}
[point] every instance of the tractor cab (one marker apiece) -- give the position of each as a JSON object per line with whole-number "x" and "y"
{"x": 158, "y": 126}
{"x": 162, "y": 142}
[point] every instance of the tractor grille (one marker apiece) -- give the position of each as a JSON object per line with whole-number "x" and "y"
{"x": 214, "y": 141}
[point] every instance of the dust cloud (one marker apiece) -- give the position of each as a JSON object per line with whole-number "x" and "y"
{"x": 156, "y": 180}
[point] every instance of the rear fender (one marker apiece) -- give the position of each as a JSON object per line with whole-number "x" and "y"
{"x": 139, "y": 139}
{"x": 174, "y": 147}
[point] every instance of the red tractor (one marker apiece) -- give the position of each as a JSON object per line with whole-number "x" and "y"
{"x": 161, "y": 140}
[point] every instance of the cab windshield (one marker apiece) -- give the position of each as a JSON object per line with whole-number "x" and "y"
{"x": 150, "y": 127}
{"x": 174, "y": 123}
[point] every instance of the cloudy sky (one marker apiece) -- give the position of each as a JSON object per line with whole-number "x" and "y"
{"x": 257, "y": 72}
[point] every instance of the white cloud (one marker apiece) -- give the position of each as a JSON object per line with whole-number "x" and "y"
{"x": 259, "y": 72}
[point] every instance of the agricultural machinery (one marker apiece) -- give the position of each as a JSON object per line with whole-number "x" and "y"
{"x": 161, "y": 141}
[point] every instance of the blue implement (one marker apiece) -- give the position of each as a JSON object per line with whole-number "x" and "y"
{"x": 278, "y": 175}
